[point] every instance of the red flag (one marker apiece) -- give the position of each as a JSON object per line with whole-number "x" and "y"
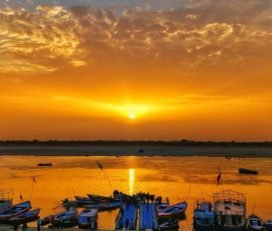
{"x": 33, "y": 179}
{"x": 219, "y": 177}
{"x": 21, "y": 197}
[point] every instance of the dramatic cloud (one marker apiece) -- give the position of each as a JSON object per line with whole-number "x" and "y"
{"x": 196, "y": 36}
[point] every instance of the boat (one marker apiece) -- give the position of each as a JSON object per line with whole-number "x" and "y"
{"x": 14, "y": 210}
{"x": 268, "y": 225}
{"x": 230, "y": 211}
{"x": 169, "y": 225}
{"x": 104, "y": 206}
{"x": 46, "y": 220}
{"x": 255, "y": 223}
{"x": 65, "y": 219}
{"x": 87, "y": 219}
{"x": 25, "y": 218}
{"x": 247, "y": 171}
{"x": 162, "y": 206}
{"x": 44, "y": 164}
{"x": 100, "y": 198}
{"x": 172, "y": 211}
{"x": 127, "y": 217}
{"x": 203, "y": 216}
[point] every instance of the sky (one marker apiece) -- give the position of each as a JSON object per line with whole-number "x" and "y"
{"x": 136, "y": 69}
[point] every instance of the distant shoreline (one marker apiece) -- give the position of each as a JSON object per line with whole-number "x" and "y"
{"x": 141, "y": 149}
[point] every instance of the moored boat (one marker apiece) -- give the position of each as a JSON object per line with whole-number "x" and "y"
{"x": 65, "y": 219}
{"x": 172, "y": 211}
{"x": 25, "y": 218}
{"x": 14, "y": 210}
{"x": 247, "y": 171}
{"x": 170, "y": 224}
{"x": 230, "y": 211}
{"x": 203, "y": 216}
{"x": 103, "y": 206}
{"x": 87, "y": 219}
{"x": 255, "y": 223}
{"x": 162, "y": 206}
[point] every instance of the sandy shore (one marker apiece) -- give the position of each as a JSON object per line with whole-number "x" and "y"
{"x": 134, "y": 151}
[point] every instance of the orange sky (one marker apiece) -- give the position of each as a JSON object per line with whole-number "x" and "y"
{"x": 136, "y": 70}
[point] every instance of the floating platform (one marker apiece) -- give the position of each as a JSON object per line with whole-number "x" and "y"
{"x": 148, "y": 217}
{"x": 127, "y": 217}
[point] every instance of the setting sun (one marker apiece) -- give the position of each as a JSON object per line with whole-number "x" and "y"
{"x": 132, "y": 116}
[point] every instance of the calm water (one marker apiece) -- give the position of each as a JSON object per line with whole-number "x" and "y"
{"x": 178, "y": 178}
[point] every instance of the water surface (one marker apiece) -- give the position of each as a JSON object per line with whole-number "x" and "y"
{"x": 179, "y": 178}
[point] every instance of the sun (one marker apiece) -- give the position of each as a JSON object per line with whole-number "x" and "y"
{"x": 132, "y": 116}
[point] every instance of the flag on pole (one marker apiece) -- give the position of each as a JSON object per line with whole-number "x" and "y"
{"x": 219, "y": 177}
{"x": 34, "y": 179}
{"x": 21, "y": 197}
{"x": 99, "y": 165}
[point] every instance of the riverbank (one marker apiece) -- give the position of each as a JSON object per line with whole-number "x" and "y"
{"x": 134, "y": 150}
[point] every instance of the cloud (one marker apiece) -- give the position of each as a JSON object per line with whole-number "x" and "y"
{"x": 192, "y": 37}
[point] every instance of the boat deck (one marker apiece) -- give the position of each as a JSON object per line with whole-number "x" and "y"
{"x": 148, "y": 218}
{"x": 229, "y": 208}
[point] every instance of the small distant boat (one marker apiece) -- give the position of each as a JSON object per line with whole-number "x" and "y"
{"x": 141, "y": 150}
{"x": 44, "y": 164}
{"x": 87, "y": 219}
{"x": 14, "y": 210}
{"x": 171, "y": 224}
{"x": 204, "y": 216}
{"x": 172, "y": 211}
{"x": 255, "y": 223}
{"x": 65, "y": 219}
{"x": 24, "y": 218}
{"x": 268, "y": 225}
{"x": 247, "y": 171}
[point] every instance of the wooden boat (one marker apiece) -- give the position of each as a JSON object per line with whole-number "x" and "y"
{"x": 44, "y": 164}
{"x": 172, "y": 211}
{"x": 104, "y": 206}
{"x": 255, "y": 223}
{"x": 247, "y": 171}
{"x": 87, "y": 219}
{"x": 162, "y": 206}
{"x": 14, "y": 210}
{"x": 46, "y": 220}
{"x": 230, "y": 211}
{"x": 25, "y": 218}
{"x": 203, "y": 216}
{"x": 65, "y": 219}
{"x": 99, "y": 198}
{"x": 268, "y": 225}
{"x": 169, "y": 225}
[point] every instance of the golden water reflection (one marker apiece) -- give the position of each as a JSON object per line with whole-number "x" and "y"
{"x": 178, "y": 178}
{"x": 131, "y": 172}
